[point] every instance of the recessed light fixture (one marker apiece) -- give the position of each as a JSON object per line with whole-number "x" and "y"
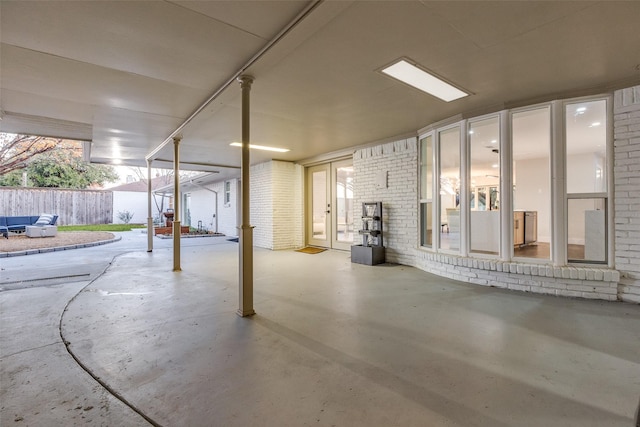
{"x": 261, "y": 147}
{"x": 495, "y": 165}
{"x": 494, "y": 141}
{"x": 423, "y": 80}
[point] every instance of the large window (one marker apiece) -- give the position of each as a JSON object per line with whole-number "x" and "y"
{"x": 484, "y": 193}
{"x": 426, "y": 191}
{"x": 505, "y": 203}
{"x": 449, "y": 149}
{"x": 227, "y": 192}
{"x": 531, "y": 171}
{"x": 586, "y": 166}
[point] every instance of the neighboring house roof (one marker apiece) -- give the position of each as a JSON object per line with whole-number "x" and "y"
{"x": 200, "y": 180}
{"x": 141, "y": 186}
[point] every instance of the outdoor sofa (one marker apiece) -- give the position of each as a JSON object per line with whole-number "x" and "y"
{"x": 18, "y": 224}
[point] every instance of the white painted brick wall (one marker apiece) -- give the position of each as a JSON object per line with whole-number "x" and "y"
{"x": 399, "y": 198}
{"x": 261, "y": 204}
{"x": 583, "y": 282}
{"x": 287, "y": 203}
{"x": 277, "y": 205}
{"x": 627, "y": 191}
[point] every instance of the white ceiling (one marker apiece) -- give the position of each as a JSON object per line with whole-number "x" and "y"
{"x": 127, "y": 74}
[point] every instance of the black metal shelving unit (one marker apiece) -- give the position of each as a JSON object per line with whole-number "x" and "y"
{"x": 371, "y": 251}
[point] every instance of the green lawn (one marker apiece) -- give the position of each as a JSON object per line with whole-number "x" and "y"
{"x": 100, "y": 227}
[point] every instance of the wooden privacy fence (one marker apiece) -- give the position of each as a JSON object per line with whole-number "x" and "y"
{"x": 72, "y": 206}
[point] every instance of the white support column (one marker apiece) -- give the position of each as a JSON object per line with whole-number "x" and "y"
{"x": 176, "y": 203}
{"x": 246, "y": 230}
{"x": 149, "y": 209}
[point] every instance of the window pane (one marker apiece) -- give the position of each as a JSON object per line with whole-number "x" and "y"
{"x": 426, "y": 219}
{"x": 426, "y": 191}
{"x": 344, "y": 200}
{"x": 531, "y": 133}
{"x": 319, "y": 204}
{"x": 586, "y": 141}
{"x": 449, "y": 145}
{"x": 484, "y": 139}
{"x": 587, "y": 227}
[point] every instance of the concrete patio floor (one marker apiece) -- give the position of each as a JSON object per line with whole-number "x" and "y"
{"x": 332, "y": 344}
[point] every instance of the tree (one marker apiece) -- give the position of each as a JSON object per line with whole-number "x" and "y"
{"x": 57, "y": 166}
{"x": 63, "y": 169}
{"x": 17, "y": 150}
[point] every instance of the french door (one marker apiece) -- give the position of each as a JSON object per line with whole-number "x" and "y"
{"x": 330, "y": 205}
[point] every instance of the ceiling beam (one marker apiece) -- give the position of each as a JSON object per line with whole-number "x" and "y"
{"x": 214, "y": 165}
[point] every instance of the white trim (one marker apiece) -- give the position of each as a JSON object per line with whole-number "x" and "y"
{"x": 506, "y": 185}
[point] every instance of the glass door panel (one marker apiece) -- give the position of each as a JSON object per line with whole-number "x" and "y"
{"x": 342, "y": 219}
{"x": 426, "y": 191}
{"x": 330, "y": 205}
{"x": 319, "y": 208}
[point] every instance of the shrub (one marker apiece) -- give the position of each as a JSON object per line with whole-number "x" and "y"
{"x": 125, "y": 216}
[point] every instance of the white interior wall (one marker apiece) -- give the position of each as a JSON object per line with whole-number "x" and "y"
{"x": 533, "y": 192}
{"x": 581, "y": 173}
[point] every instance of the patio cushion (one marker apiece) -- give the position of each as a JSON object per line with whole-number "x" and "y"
{"x": 45, "y": 219}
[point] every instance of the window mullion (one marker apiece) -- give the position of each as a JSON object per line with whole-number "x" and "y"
{"x": 506, "y": 187}
{"x": 558, "y": 186}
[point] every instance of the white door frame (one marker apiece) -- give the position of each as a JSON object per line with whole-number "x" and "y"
{"x": 322, "y": 222}
{"x": 318, "y": 217}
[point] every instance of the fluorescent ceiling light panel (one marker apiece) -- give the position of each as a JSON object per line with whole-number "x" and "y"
{"x": 420, "y": 79}
{"x": 261, "y": 147}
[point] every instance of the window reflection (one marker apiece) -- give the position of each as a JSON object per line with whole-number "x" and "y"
{"x": 484, "y": 137}
{"x": 449, "y": 144}
{"x": 531, "y": 139}
{"x": 586, "y": 137}
{"x": 426, "y": 191}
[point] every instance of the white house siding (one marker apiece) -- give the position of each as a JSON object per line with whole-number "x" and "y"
{"x": 203, "y": 207}
{"x": 399, "y": 197}
{"x": 627, "y": 191}
{"x": 134, "y": 202}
